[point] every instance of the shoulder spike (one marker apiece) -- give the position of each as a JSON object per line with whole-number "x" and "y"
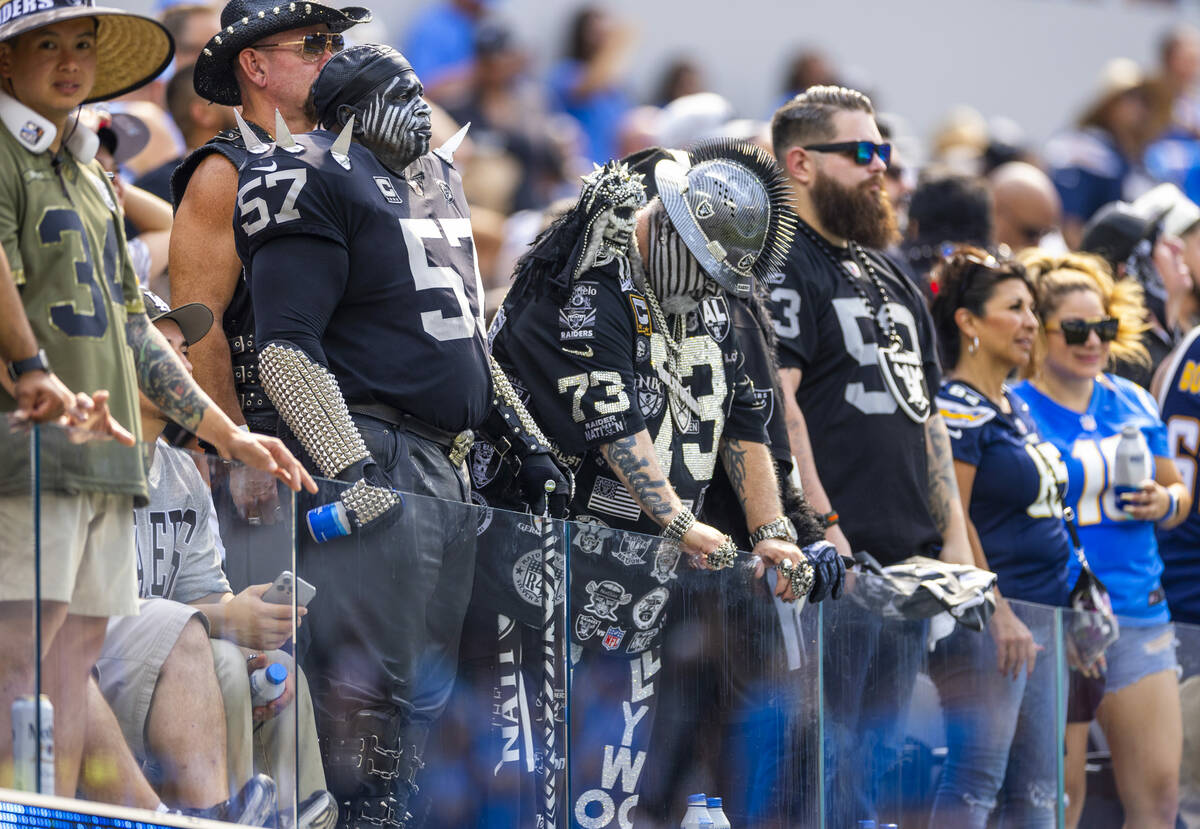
{"x": 446, "y": 151}
{"x": 283, "y": 136}
{"x": 341, "y": 147}
{"x": 253, "y": 143}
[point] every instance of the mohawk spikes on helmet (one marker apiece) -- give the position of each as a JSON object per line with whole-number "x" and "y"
{"x": 732, "y": 208}
{"x": 781, "y": 224}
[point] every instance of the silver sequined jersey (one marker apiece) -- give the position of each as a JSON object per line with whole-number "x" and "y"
{"x": 592, "y": 371}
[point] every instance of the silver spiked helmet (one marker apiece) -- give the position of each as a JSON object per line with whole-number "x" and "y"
{"x": 732, "y": 209}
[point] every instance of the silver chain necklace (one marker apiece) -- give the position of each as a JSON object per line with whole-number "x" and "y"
{"x": 859, "y": 258}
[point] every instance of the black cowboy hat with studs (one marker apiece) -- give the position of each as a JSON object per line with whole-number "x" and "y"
{"x": 131, "y": 49}
{"x": 246, "y": 22}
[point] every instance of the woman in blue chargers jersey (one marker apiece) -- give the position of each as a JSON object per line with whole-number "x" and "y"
{"x": 1087, "y": 320}
{"x": 997, "y": 708}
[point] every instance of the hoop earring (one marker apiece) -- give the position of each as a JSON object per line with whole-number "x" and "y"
{"x": 974, "y": 346}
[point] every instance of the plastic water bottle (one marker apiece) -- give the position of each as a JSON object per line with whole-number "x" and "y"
{"x": 717, "y": 813}
{"x": 33, "y": 750}
{"x": 697, "y": 813}
{"x": 267, "y": 684}
{"x": 1133, "y": 462}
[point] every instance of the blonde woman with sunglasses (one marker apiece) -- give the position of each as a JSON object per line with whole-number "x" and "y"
{"x": 1088, "y": 320}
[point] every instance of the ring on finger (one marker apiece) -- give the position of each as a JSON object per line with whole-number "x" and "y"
{"x": 723, "y": 556}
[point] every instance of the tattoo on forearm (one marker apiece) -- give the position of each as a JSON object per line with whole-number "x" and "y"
{"x": 161, "y": 376}
{"x": 734, "y": 456}
{"x": 943, "y": 488}
{"x": 651, "y": 493}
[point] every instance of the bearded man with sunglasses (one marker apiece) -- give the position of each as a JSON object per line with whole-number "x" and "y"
{"x": 857, "y": 367}
{"x": 264, "y": 59}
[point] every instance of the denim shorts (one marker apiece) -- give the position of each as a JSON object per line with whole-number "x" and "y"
{"x": 1138, "y": 653}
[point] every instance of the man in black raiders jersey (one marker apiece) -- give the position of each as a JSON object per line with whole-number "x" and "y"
{"x": 265, "y": 64}
{"x": 619, "y": 333}
{"x": 358, "y": 244}
{"x": 858, "y": 368}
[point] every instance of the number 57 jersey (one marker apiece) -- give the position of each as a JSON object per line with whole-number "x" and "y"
{"x": 397, "y": 306}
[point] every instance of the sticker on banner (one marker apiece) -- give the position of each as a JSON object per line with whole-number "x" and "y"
{"x": 648, "y": 607}
{"x": 483, "y": 519}
{"x": 632, "y": 549}
{"x": 613, "y": 637}
{"x": 638, "y": 642}
{"x": 606, "y": 597}
{"x": 586, "y": 627}
{"x": 665, "y": 560}
{"x": 527, "y": 578}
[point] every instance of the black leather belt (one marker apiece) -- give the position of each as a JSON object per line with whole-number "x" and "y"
{"x": 240, "y": 345}
{"x": 457, "y": 444}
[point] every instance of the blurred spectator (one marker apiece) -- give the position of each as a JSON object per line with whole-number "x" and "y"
{"x": 947, "y": 210}
{"x": 996, "y": 713}
{"x": 197, "y": 120}
{"x": 682, "y": 76}
{"x": 1007, "y": 142}
{"x": 440, "y": 45}
{"x": 900, "y": 178}
{"x": 1087, "y": 319}
{"x": 1026, "y": 206}
{"x": 1101, "y": 161}
{"x": 961, "y": 140}
{"x": 191, "y": 24}
{"x": 148, "y": 218}
{"x": 588, "y": 82}
{"x": 639, "y": 129}
{"x": 1130, "y": 239}
{"x": 1176, "y": 156}
{"x": 511, "y": 132}
{"x": 693, "y": 118}
{"x": 808, "y": 67}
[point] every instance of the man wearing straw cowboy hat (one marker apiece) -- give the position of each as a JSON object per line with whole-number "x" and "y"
{"x": 63, "y": 242}
{"x": 264, "y": 59}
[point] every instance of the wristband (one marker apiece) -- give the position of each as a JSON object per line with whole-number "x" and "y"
{"x": 1171, "y": 507}
{"x": 830, "y": 519}
{"x": 679, "y": 525}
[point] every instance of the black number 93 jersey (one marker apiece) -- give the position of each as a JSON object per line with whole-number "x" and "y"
{"x": 401, "y": 322}
{"x": 593, "y": 370}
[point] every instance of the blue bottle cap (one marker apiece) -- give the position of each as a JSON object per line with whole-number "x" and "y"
{"x": 697, "y": 800}
{"x": 714, "y": 803}
{"x": 328, "y": 522}
{"x": 276, "y": 673}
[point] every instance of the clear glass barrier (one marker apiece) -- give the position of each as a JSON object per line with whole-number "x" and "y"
{"x": 146, "y": 675}
{"x": 920, "y": 726}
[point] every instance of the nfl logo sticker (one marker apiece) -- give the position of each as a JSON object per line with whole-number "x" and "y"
{"x": 613, "y": 637}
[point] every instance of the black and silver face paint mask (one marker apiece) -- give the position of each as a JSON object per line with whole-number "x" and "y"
{"x": 673, "y": 273}
{"x": 396, "y": 127}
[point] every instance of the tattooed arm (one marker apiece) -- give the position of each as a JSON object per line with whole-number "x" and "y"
{"x": 168, "y": 385}
{"x": 636, "y": 464}
{"x": 752, "y": 474}
{"x": 944, "y": 503}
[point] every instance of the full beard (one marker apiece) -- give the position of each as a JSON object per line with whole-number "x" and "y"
{"x": 859, "y": 214}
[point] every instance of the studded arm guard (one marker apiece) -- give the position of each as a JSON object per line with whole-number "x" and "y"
{"x": 311, "y": 404}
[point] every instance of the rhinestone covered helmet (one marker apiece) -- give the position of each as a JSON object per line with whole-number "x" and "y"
{"x": 732, "y": 208}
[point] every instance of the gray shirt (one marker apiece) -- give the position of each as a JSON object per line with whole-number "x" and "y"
{"x": 178, "y": 538}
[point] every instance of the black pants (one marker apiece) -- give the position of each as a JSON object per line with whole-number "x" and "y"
{"x": 384, "y": 628}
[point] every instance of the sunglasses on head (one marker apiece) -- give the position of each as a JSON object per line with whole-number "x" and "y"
{"x": 861, "y": 151}
{"x": 1077, "y": 331}
{"x": 312, "y": 46}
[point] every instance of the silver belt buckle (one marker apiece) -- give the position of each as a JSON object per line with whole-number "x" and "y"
{"x": 460, "y": 446}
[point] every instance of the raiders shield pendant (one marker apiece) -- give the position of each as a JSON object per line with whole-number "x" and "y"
{"x": 904, "y": 377}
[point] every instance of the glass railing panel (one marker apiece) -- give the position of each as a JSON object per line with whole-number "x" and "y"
{"x": 921, "y": 726}
{"x": 148, "y": 664}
